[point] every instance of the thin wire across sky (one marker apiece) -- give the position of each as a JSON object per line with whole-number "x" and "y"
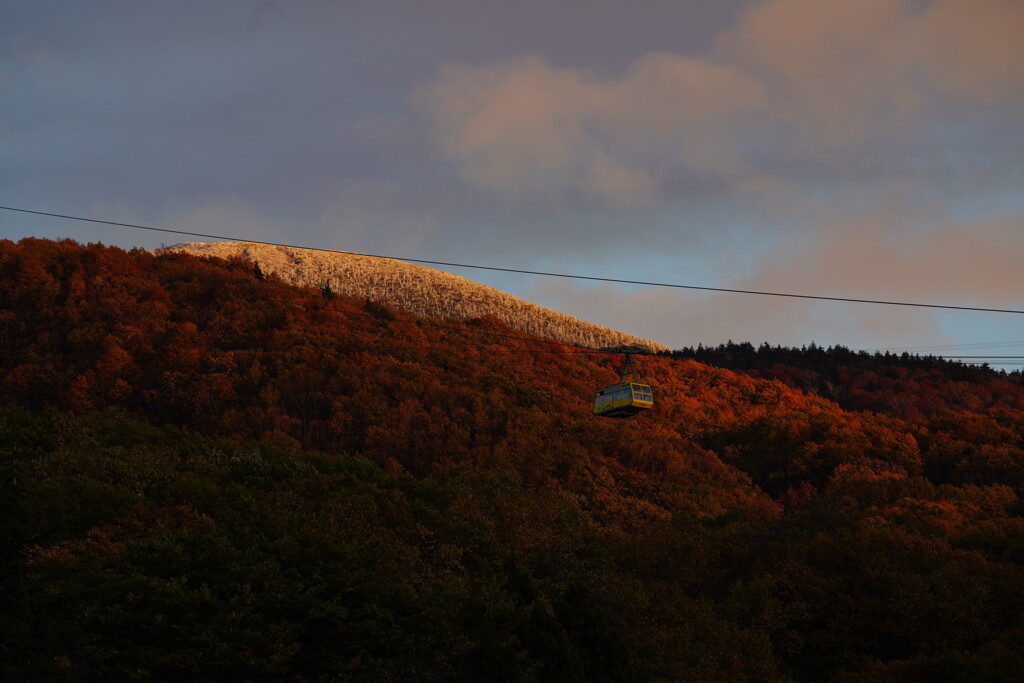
{"x": 999, "y": 360}
{"x": 591, "y": 278}
{"x": 571, "y": 348}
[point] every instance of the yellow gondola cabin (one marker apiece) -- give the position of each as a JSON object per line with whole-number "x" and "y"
{"x": 625, "y": 398}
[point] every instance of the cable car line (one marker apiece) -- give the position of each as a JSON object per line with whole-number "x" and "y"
{"x": 533, "y": 340}
{"x": 850, "y": 359}
{"x": 448, "y": 349}
{"x": 967, "y": 345}
{"x": 568, "y": 347}
{"x": 1004, "y": 362}
{"x": 623, "y": 399}
{"x": 587, "y": 350}
{"x": 571, "y": 348}
{"x": 879, "y": 302}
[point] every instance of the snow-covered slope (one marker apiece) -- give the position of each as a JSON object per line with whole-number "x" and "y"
{"x": 420, "y": 290}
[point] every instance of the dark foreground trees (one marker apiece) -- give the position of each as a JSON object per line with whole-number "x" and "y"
{"x": 146, "y": 553}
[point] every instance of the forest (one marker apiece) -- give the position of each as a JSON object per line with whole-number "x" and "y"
{"x": 908, "y": 386}
{"x": 210, "y": 474}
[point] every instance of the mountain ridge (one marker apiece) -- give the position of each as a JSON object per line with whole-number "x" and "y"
{"x": 420, "y": 290}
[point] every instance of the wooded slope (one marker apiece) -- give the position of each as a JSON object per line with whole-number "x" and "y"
{"x": 419, "y": 290}
{"x": 209, "y": 471}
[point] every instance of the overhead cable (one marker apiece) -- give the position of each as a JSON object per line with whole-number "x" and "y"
{"x": 591, "y": 278}
{"x": 571, "y": 348}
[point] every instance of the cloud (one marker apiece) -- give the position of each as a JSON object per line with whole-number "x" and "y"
{"x": 834, "y": 69}
{"x": 975, "y": 49}
{"x": 526, "y": 129}
{"x": 879, "y": 256}
{"x": 844, "y": 72}
{"x": 883, "y": 255}
{"x": 794, "y": 85}
{"x": 687, "y": 318}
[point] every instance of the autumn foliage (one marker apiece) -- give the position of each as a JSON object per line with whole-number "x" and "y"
{"x": 211, "y": 474}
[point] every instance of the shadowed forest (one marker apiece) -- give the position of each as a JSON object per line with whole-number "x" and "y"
{"x": 209, "y": 474}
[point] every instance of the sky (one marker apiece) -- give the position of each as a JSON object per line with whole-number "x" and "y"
{"x": 868, "y": 149}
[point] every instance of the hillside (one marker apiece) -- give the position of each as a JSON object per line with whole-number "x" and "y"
{"x": 212, "y": 475}
{"x": 423, "y": 291}
{"x": 905, "y": 386}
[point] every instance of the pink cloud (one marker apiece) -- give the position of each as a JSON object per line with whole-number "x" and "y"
{"x": 883, "y": 255}
{"x": 967, "y": 263}
{"x": 800, "y": 77}
{"x": 681, "y": 318}
{"x": 844, "y": 72}
{"x": 975, "y": 49}
{"x": 524, "y": 128}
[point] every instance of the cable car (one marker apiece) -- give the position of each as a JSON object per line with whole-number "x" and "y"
{"x": 626, "y": 397}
